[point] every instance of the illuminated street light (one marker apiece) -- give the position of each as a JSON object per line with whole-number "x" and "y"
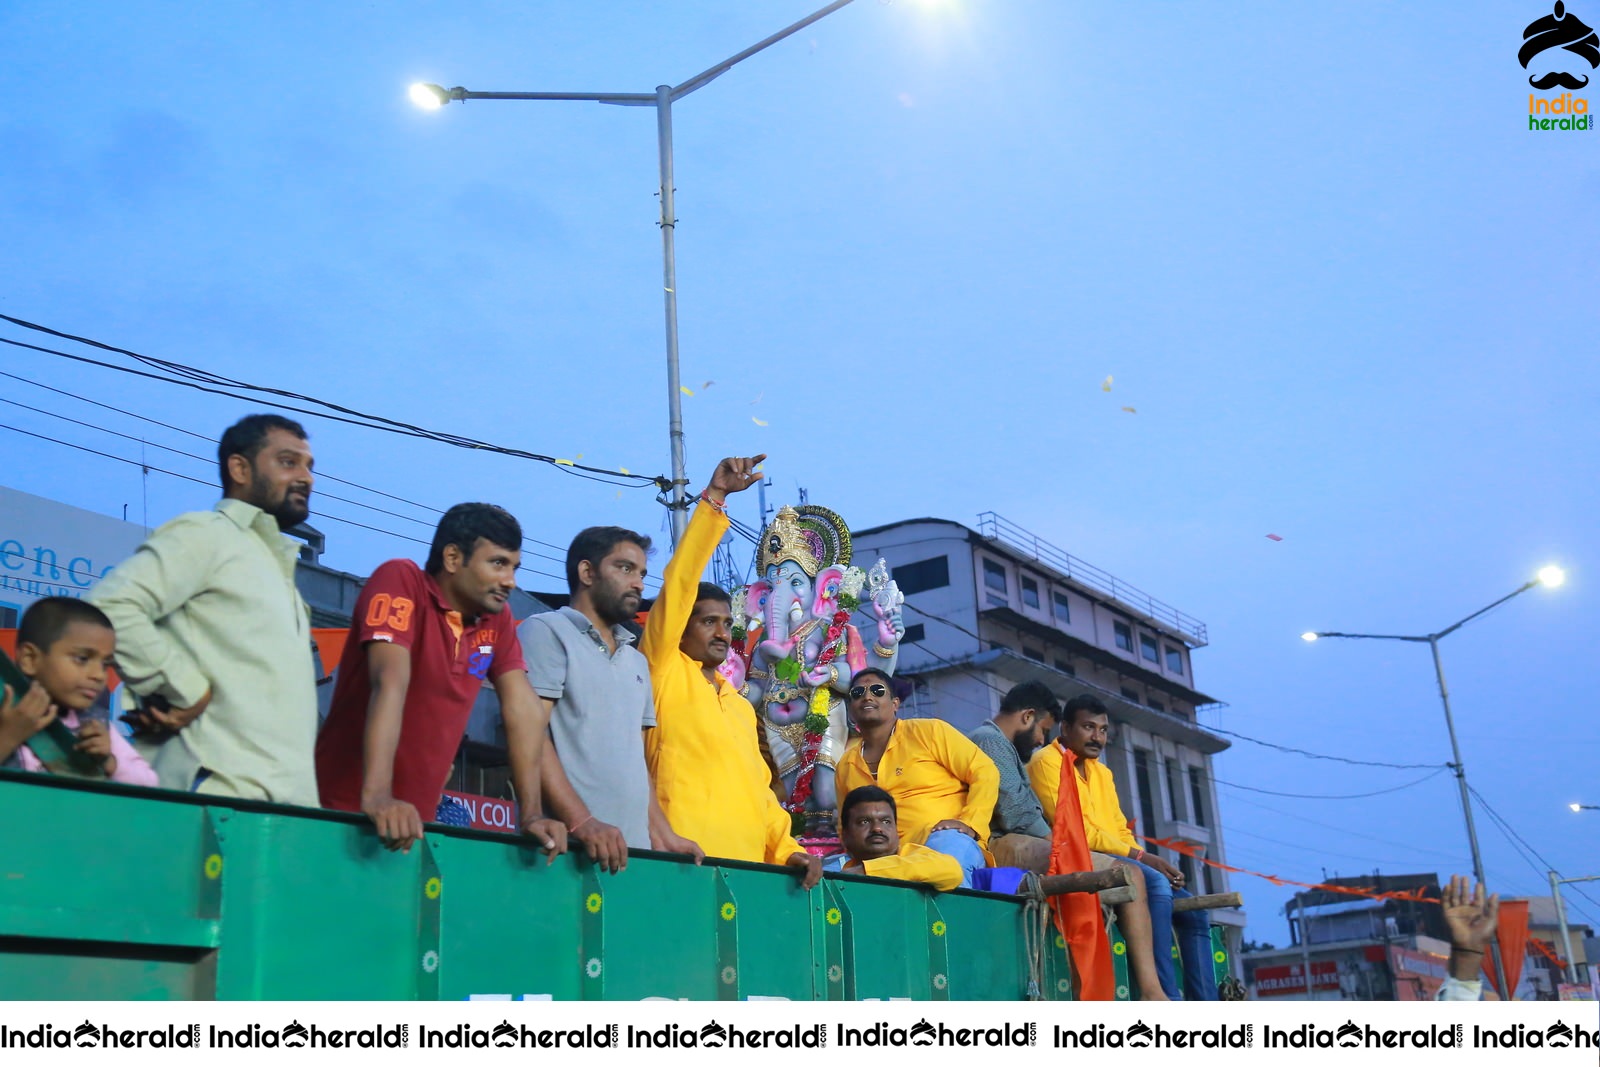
{"x": 1584, "y": 807}
{"x": 1550, "y": 576}
{"x": 428, "y": 96}
{"x": 434, "y": 97}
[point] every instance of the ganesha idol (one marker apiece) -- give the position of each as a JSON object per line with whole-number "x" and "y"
{"x": 795, "y": 650}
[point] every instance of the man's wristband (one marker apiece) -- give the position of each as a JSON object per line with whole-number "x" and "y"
{"x": 719, "y": 505}
{"x": 1136, "y": 855}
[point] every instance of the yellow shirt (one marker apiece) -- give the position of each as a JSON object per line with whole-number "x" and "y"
{"x": 703, "y": 754}
{"x": 918, "y": 863}
{"x": 1103, "y": 822}
{"x": 933, "y": 772}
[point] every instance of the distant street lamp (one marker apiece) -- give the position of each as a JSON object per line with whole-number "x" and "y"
{"x": 433, "y": 97}
{"x": 1584, "y": 807}
{"x": 1556, "y": 882}
{"x": 1550, "y": 577}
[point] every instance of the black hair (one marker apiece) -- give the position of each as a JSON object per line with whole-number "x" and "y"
{"x": 888, "y": 682}
{"x": 466, "y": 524}
{"x": 1035, "y": 695}
{"x": 713, "y": 591}
{"x": 864, "y": 794}
{"x": 1085, "y": 702}
{"x": 46, "y": 620}
{"x": 246, "y": 438}
{"x": 595, "y": 544}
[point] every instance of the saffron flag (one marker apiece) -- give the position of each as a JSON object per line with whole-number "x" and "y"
{"x": 1512, "y": 934}
{"x": 1077, "y": 915}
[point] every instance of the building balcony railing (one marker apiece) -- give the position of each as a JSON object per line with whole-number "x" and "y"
{"x": 998, "y": 528}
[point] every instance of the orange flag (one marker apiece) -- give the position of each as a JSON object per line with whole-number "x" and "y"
{"x": 1512, "y": 933}
{"x": 1077, "y": 915}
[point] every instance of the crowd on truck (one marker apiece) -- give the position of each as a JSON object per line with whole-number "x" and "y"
{"x": 616, "y": 739}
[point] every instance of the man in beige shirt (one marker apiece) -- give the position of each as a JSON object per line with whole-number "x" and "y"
{"x": 214, "y": 637}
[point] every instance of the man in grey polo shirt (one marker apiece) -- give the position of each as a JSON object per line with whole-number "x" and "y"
{"x": 582, "y": 660}
{"x": 1019, "y": 833}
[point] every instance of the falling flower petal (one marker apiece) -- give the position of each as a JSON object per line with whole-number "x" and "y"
{"x": 757, "y": 421}
{"x": 1130, "y": 411}
{"x": 685, "y": 390}
{"x": 1273, "y": 537}
{"x": 1105, "y": 386}
{"x": 564, "y": 462}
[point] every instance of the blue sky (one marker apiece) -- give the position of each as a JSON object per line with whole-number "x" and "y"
{"x": 1348, "y": 294}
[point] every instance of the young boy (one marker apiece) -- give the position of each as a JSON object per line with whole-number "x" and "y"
{"x": 64, "y": 646}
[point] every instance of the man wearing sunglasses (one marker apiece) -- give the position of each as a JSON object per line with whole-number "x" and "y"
{"x": 943, "y": 785}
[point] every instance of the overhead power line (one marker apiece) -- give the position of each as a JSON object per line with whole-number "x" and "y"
{"x": 175, "y": 373}
{"x": 199, "y": 481}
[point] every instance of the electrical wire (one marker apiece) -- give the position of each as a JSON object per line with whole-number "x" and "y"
{"x": 219, "y": 385}
{"x": 1332, "y": 796}
{"x": 1519, "y": 842}
{"x": 1318, "y": 755}
{"x": 320, "y": 475}
{"x": 198, "y": 481}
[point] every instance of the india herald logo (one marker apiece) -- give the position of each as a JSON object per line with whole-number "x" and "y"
{"x": 1564, "y": 31}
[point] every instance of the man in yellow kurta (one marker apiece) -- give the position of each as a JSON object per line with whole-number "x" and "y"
{"x": 703, "y": 752}
{"x": 1147, "y": 921}
{"x": 872, "y": 842}
{"x": 944, "y": 786}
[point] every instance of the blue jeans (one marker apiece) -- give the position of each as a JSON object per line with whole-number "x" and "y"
{"x": 963, "y": 849}
{"x": 1193, "y": 932}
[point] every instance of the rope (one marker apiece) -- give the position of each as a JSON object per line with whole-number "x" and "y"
{"x": 1035, "y": 931}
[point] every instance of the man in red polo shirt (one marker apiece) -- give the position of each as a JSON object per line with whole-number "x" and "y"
{"x": 422, "y": 643}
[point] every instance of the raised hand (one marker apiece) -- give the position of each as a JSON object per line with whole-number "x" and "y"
{"x": 734, "y": 475}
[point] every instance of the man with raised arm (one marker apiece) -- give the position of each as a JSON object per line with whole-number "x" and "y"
{"x": 585, "y": 669}
{"x": 703, "y": 753}
{"x": 213, "y": 635}
{"x": 423, "y": 642}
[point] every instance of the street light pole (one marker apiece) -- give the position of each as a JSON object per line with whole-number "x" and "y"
{"x": 1549, "y": 576}
{"x": 433, "y": 96}
{"x": 1556, "y": 882}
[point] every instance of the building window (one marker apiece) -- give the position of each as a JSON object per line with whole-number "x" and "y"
{"x": 994, "y": 576}
{"x": 1147, "y": 797}
{"x": 915, "y": 632}
{"x": 1124, "y": 636}
{"x": 1157, "y": 704}
{"x": 995, "y": 601}
{"x": 1174, "y": 660}
{"x": 1033, "y": 653}
{"x": 1130, "y": 693}
{"x": 922, "y": 575}
{"x": 1186, "y": 865}
{"x": 1148, "y": 649}
{"x": 999, "y": 646}
{"x": 1062, "y": 608}
{"x": 1173, "y": 792}
{"x": 1030, "y": 592}
{"x": 1066, "y": 668}
{"x": 1197, "y": 794}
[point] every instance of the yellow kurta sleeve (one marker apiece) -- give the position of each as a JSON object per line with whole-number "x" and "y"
{"x": 680, "y": 585}
{"x": 971, "y": 765}
{"x": 1104, "y": 823}
{"x": 1044, "y": 774}
{"x": 918, "y": 863}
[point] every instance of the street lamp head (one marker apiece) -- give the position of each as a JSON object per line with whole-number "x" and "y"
{"x": 428, "y": 96}
{"x": 1309, "y": 636}
{"x": 1575, "y": 807}
{"x": 1552, "y": 577}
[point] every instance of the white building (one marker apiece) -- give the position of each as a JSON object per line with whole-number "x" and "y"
{"x": 990, "y": 607}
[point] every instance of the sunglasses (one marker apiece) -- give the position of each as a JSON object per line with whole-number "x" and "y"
{"x": 876, "y": 689}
